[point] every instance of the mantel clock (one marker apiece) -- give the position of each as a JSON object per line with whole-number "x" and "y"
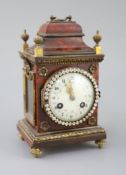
{"x": 61, "y": 87}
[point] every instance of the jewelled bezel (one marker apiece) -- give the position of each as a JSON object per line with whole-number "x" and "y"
{"x": 47, "y": 88}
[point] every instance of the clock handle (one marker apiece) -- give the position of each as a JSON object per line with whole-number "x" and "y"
{"x": 55, "y": 19}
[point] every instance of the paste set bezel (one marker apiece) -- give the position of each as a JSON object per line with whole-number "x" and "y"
{"x": 48, "y": 85}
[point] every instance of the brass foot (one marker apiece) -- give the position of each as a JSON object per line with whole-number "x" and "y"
{"x": 36, "y": 152}
{"x": 100, "y": 143}
{"x": 21, "y": 137}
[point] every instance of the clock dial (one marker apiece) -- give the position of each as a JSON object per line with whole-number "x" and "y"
{"x": 70, "y": 96}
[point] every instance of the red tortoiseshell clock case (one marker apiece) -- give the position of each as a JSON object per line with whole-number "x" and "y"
{"x": 62, "y": 47}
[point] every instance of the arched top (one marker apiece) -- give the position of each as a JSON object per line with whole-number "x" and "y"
{"x": 62, "y": 37}
{"x": 60, "y": 27}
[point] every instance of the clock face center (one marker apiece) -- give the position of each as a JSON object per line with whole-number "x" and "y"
{"x": 71, "y": 94}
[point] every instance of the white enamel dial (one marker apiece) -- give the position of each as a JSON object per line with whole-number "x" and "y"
{"x": 70, "y": 96}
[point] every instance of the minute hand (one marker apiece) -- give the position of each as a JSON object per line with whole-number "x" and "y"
{"x": 70, "y": 91}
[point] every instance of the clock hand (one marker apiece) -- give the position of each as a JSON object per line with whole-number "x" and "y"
{"x": 70, "y": 91}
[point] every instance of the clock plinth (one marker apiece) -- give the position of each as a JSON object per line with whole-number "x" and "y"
{"x": 61, "y": 87}
{"x": 38, "y": 141}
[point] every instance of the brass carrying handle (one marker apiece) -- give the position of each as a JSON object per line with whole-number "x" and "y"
{"x": 55, "y": 19}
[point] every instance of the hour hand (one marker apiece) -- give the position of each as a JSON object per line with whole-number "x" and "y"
{"x": 69, "y": 90}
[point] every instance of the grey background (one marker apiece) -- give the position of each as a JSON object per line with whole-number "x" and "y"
{"x": 109, "y": 17}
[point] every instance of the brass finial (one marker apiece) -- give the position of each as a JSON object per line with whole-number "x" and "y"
{"x": 38, "y": 40}
{"x": 38, "y": 50}
{"x": 25, "y": 38}
{"x": 97, "y": 38}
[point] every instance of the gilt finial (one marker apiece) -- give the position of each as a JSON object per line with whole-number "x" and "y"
{"x": 38, "y": 40}
{"x": 97, "y": 38}
{"x": 25, "y": 37}
{"x": 38, "y": 50}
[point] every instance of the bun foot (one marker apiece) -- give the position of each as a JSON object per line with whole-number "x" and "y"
{"x": 100, "y": 143}
{"x": 36, "y": 152}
